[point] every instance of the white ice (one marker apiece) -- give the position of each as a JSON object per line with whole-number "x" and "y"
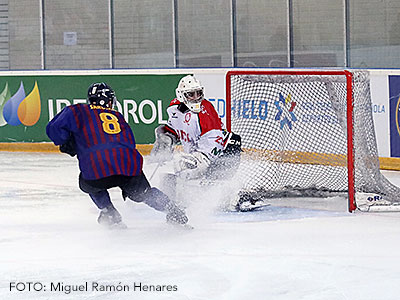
{"x": 49, "y": 234}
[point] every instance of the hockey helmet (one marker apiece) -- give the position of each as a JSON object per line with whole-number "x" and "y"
{"x": 101, "y": 94}
{"x": 191, "y": 92}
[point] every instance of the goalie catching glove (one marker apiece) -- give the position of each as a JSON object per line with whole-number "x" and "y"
{"x": 191, "y": 166}
{"x": 163, "y": 145}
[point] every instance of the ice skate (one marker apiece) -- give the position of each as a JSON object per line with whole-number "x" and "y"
{"x": 111, "y": 218}
{"x": 176, "y": 216}
{"x": 247, "y": 203}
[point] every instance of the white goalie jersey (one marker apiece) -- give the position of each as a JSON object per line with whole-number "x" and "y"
{"x": 201, "y": 132}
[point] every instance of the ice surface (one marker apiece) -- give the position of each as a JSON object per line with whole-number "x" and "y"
{"x": 49, "y": 235}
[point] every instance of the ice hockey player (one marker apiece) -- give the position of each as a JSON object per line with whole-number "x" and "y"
{"x": 105, "y": 147}
{"x": 209, "y": 151}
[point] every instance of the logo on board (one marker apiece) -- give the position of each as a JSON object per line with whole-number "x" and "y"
{"x": 19, "y": 108}
{"x": 394, "y": 108}
{"x": 285, "y": 114}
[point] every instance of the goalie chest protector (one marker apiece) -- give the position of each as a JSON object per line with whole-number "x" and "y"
{"x": 191, "y": 127}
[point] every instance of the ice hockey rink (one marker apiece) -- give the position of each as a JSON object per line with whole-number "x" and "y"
{"x": 49, "y": 237}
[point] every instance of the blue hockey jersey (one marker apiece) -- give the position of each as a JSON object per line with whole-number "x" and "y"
{"x": 105, "y": 143}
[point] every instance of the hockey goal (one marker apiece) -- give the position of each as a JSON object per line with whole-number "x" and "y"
{"x": 308, "y": 133}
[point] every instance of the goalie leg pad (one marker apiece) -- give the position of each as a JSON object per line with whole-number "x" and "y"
{"x": 168, "y": 184}
{"x": 191, "y": 166}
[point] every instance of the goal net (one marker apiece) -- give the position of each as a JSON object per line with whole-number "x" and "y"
{"x": 308, "y": 133}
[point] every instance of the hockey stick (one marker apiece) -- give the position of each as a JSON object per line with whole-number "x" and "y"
{"x": 155, "y": 170}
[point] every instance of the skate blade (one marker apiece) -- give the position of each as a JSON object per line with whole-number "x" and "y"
{"x": 117, "y": 226}
{"x": 181, "y": 226}
{"x": 114, "y": 226}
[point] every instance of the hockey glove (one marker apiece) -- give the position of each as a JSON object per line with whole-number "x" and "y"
{"x": 191, "y": 166}
{"x": 69, "y": 147}
{"x": 233, "y": 143}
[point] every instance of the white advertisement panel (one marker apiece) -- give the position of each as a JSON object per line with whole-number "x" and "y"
{"x": 215, "y": 91}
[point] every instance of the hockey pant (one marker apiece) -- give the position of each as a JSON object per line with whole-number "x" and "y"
{"x": 137, "y": 188}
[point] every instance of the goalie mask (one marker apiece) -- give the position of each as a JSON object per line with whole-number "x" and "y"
{"x": 191, "y": 92}
{"x": 101, "y": 94}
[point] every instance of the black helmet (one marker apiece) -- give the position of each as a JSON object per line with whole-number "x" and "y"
{"x": 101, "y": 94}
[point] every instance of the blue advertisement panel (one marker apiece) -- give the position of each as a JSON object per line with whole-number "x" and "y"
{"x": 394, "y": 102}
